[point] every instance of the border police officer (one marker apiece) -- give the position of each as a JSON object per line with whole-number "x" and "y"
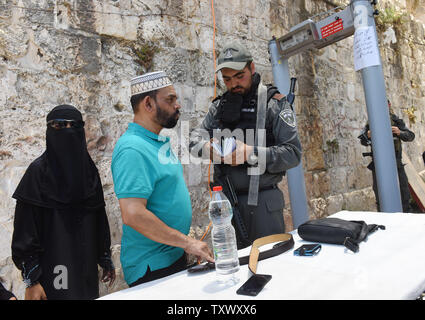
{"x": 266, "y": 145}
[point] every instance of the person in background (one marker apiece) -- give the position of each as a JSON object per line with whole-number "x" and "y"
{"x": 400, "y": 133}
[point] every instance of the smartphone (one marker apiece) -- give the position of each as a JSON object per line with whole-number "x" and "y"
{"x": 308, "y": 250}
{"x": 254, "y": 285}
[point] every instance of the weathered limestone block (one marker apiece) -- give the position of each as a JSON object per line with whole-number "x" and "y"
{"x": 11, "y": 172}
{"x": 13, "y": 41}
{"x": 318, "y": 208}
{"x": 287, "y": 218}
{"x": 334, "y": 203}
{"x": 360, "y": 200}
{"x": 6, "y": 231}
{"x": 203, "y": 96}
{"x": 115, "y": 23}
{"x": 8, "y": 80}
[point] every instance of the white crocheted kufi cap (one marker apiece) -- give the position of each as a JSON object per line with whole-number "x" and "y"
{"x": 149, "y": 82}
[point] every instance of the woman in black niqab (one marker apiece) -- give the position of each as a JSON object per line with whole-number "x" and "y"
{"x": 60, "y": 217}
{"x": 64, "y": 175}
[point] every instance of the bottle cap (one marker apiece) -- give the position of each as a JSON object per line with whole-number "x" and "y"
{"x": 218, "y": 188}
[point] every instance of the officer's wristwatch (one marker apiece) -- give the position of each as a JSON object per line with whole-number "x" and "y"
{"x": 253, "y": 157}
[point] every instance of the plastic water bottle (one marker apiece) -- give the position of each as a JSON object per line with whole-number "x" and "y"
{"x": 223, "y": 237}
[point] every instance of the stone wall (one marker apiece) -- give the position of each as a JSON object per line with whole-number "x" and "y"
{"x": 85, "y": 52}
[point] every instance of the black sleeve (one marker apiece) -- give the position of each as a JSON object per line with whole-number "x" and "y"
{"x": 26, "y": 247}
{"x": 104, "y": 241}
{"x": 286, "y": 153}
{"x": 405, "y": 133}
{"x": 4, "y": 294}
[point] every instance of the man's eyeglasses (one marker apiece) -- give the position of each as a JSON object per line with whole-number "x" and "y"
{"x": 64, "y": 123}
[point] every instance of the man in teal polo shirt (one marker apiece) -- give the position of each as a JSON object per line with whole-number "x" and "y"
{"x": 149, "y": 183}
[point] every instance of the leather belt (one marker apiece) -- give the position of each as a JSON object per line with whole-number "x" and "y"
{"x": 286, "y": 243}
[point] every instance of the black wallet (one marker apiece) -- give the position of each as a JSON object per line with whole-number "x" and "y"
{"x": 337, "y": 231}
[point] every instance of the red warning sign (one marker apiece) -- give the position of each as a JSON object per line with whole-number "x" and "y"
{"x": 332, "y": 28}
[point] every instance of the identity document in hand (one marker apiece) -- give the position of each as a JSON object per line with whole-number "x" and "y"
{"x": 227, "y": 147}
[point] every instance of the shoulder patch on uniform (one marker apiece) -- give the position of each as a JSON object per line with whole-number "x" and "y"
{"x": 278, "y": 96}
{"x": 287, "y": 115}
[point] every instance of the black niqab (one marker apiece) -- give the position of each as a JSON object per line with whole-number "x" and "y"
{"x": 64, "y": 175}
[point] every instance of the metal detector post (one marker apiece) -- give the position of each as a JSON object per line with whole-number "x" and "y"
{"x": 295, "y": 176}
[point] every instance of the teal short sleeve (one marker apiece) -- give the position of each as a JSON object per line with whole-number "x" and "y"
{"x": 127, "y": 184}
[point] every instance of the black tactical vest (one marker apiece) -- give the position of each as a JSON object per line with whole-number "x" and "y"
{"x": 248, "y": 113}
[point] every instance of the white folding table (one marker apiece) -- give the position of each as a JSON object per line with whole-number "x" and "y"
{"x": 389, "y": 265}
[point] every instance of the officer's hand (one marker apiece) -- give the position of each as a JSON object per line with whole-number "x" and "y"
{"x": 199, "y": 249}
{"x": 395, "y": 130}
{"x": 209, "y": 149}
{"x": 35, "y": 292}
{"x": 239, "y": 155}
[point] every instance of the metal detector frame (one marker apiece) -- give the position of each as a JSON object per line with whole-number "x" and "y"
{"x": 308, "y": 35}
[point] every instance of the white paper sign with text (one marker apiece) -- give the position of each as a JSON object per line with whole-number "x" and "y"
{"x": 366, "y": 52}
